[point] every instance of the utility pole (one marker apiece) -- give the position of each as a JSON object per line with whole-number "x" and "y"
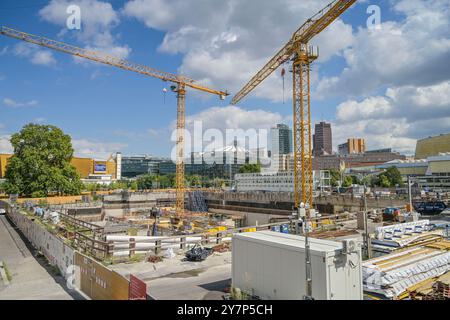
{"x": 308, "y": 266}
{"x": 366, "y": 226}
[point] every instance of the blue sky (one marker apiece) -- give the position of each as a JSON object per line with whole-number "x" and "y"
{"x": 222, "y": 43}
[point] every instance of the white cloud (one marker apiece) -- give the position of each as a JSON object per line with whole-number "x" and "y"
{"x": 96, "y": 149}
{"x": 414, "y": 51}
{"x": 15, "y": 104}
{"x": 39, "y": 120}
{"x": 34, "y": 54}
{"x": 5, "y": 144}
{"x": 224, "y": 43}
{"x": 82, "y": 147}
{"x": 98, "y": 18}
{"x": 233, "y": 117}
{"x": 397, "y": 119}
{"x": 249, "y": 124}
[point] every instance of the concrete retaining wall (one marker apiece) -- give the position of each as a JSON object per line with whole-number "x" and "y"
{"x": 52, "y": 247}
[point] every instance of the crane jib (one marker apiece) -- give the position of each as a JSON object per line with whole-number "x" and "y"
{"x": 303, "y": 35}
{"x": 106, "y": 59}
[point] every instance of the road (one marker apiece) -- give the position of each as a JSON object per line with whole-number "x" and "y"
{"x": 177, "y": 279}
{"x": 32, "y": 278}
{"x": 206, "y": 284}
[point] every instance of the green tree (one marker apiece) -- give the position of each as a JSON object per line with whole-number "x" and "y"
{"x": 218, "y": 183}
{"x": 194, "y": 181}
{"x": 167, "y": 181}
{"x": 134, "y": 185}
{"x": 91, "y": 187}
{"x": 348, "y": 181}
{"x": 394, "y": 176}
{"x": 250, "y": 168}
{"x": 356, "y": 180}
{"x": 335, "y": 177}
{"x": 41, "y": 163}
{"x": 119, "y": 185}
{"x": 384, "y": 181}
{"x": 150, "y": 181}
{"x": 146, "y": 182}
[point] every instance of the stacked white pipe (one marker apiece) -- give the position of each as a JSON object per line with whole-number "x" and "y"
{"x": 146, "y": 244}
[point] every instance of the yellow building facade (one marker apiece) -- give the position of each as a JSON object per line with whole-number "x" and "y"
{"x": 84, "y": 166}
{"x": 3, "y": 162}
{"x": 440, "y": 165}
{"x": 356, "y": 146}
{"x": 433, "y": 146}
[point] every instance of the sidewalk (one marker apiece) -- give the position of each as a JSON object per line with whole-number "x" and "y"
{"x": 32, "y": 278}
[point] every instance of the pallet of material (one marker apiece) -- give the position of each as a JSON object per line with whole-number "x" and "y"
{"x": 333, "y": 234}
{"x": 397, "y": 273}
{"x": 427, "y": 289}
{"x": 407, "y": 241}
{"x": 440, "y": 290}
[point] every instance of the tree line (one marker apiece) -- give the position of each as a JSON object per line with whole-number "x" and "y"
{"x": 390, "y": 178}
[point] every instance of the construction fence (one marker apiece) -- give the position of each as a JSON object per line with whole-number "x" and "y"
{"x": 99, "y": 282}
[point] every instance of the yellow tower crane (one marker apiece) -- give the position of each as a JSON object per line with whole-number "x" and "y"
{"x": 302, "y": 55}
{"x": 180, "y": 85}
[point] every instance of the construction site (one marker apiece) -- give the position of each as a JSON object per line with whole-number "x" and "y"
{"x": 215, "y": 244}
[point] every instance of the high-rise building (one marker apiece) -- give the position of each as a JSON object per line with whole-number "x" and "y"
{"x": 353, "y": 146}
{"x": 222, "y": 163}
{"x": 323, "y": 139}
{"x": 281, "y": 140}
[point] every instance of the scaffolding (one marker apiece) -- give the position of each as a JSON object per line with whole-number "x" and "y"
{"x": 197, "y": 202}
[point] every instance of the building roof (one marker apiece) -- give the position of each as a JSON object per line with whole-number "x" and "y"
{"x": 294, "y": 242}
{"x": 440, "y": 157}
{"x": 404, "y": 164}
{"x": 434, "y": 137}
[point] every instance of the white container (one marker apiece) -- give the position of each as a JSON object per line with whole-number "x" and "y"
{"x": 271, "y": 266}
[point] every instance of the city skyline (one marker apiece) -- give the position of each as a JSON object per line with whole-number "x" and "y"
{"x": 132, "y": 114}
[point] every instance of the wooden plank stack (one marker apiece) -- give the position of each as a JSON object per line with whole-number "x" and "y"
{"x": 439, "y": 289}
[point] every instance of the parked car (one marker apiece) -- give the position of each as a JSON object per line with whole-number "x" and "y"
{"x": 2, "y": 211}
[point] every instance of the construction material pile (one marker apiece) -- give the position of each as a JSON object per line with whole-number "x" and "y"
{"x": 154, "y": 259}
{"x": 406, "y": 235}
{"x": 433, "y": 289}
{"x": 221, "y": 248}
{"x": 198, "y": 253}
{"x": 441, "y": 291}
{"x": 394, "y": 274}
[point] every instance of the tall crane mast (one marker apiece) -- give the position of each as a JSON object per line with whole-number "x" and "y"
{"x": 302, "y": 55}
{"x": 180, "y": 85}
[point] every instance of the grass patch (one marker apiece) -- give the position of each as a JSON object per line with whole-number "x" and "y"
{"x": 136, "y": 258}
{"x": 7, "y": 272}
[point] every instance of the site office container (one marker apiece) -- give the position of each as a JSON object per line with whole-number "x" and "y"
{"x": 271, "y": 266}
